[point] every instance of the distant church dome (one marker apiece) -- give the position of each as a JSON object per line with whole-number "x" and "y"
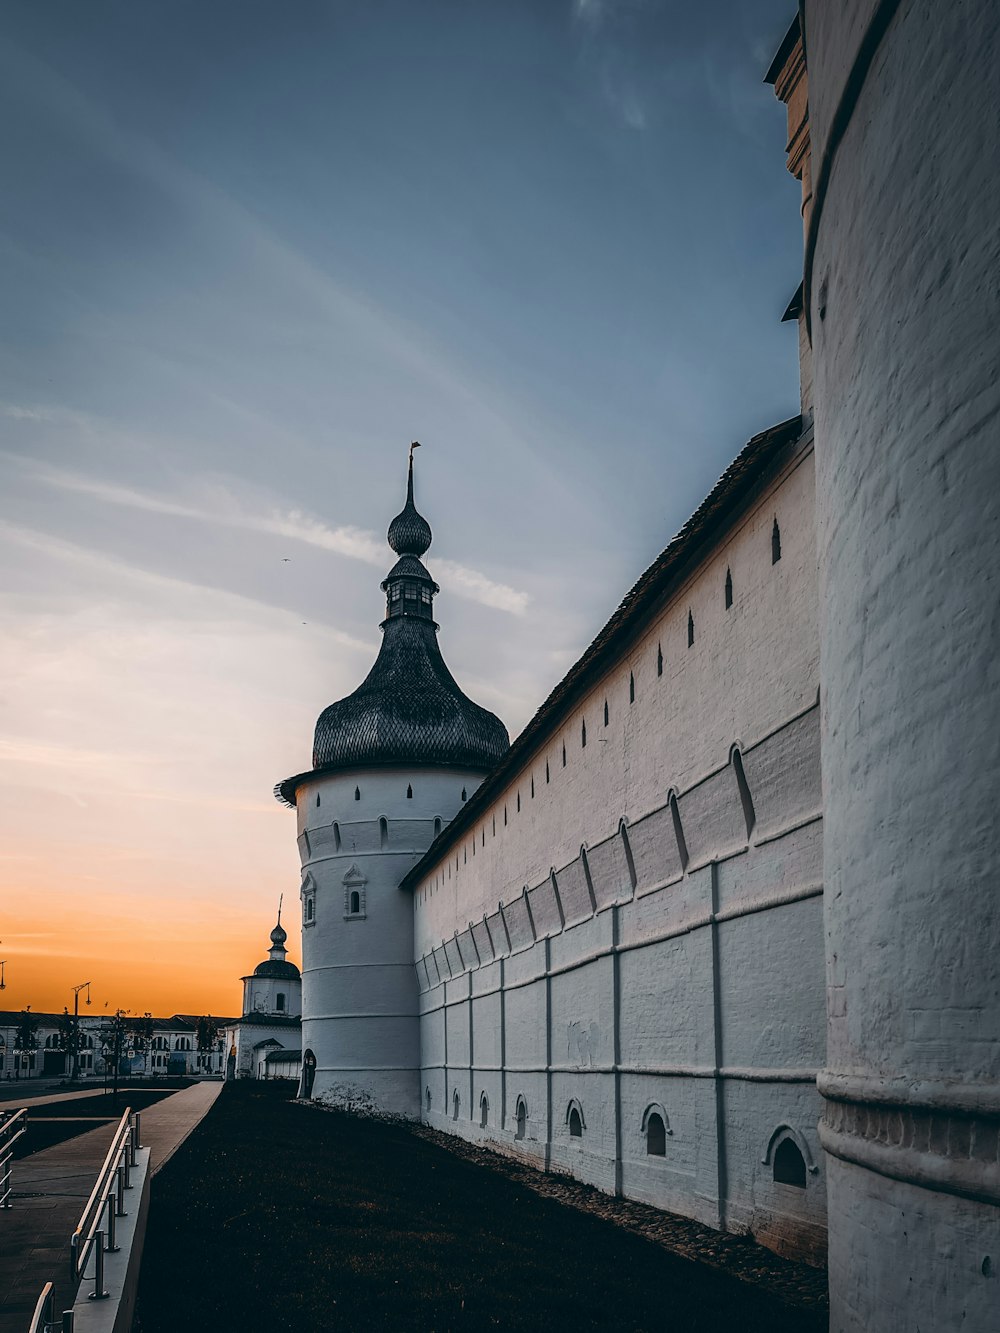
{"x": 409, "y": 710}
{"x": 276, "y": 965}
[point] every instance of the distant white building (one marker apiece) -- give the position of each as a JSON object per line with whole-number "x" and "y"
{"x": 266, "y": 1042}
{"x": 175, "y": 1047}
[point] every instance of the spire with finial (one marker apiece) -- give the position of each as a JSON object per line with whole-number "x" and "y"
{"x": 409, "y": 532}
{"x": 278, "y": 936}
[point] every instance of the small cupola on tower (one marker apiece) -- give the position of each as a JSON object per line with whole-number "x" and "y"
{"x": 409, "y": 589}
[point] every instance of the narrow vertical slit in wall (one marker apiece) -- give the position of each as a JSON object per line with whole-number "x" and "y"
{"x": 437, "y": 827}
{"x": 357, "y": 793}
{"x": 484, "y": 835}
{"x": 383, "y": 832}
{"x": 564, "y": 754}
{"x": 631, "y": 688}
{"x": 465, "y": 795}
{"x": 532, "y": 788}
{"x": 494, "y": 826}
{"x": 317, "y": 800}
{"x": 336, "y": 837}
{"x": 729, "y": 589}
{"x": 505, "y": 816}
{"x": 606, "y": 714}
{"x": 583, "y": 734}
{"x": 775, "y": 543}
{"x": 659, "y": 660}
{"x": 690, "y": 629}
{"x": 409, "y": 792}
{"x": 623, "y": 830}
{"x": 519, "y": 802}
{"x": 679, "y": 832}
{"x": 746, "y": 800}
{"x": 546, "y": 770}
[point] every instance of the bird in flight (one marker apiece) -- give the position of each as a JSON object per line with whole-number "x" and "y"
{"x": 285, "y": 559}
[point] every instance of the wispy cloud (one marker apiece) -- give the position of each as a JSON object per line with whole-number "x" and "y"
{"x": 290, "y": 524}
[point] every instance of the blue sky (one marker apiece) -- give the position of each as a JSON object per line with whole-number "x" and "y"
{"x": 248, "y": 252}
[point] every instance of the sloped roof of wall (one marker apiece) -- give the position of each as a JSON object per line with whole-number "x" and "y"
{"x": 730, "y": 494}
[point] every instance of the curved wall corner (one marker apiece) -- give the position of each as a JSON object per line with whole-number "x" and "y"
{"x": 904, "y": 309}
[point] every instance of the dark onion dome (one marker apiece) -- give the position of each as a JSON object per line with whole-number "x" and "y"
{"x": 275, "y": 967}
{"x": 409, "y": 710}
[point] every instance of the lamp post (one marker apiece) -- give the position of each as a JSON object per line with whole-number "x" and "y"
{"x": 84, "y": 985}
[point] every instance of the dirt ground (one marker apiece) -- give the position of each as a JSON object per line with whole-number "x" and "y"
{"x": 280, "y": 1216}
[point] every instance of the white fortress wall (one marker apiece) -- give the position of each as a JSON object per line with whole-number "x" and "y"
{"x": 659, "y": 946}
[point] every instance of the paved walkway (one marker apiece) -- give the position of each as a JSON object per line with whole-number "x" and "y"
{"x": 51, "y": 1188}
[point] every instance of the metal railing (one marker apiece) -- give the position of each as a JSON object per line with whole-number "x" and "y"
{"x": 44, "y": 1320}
{"x": 11, "y": 1130}
{"x": 95, "y": 1233}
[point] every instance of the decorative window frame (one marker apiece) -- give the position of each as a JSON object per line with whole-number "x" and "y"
{"x": 354, "y": 882}
{"x": 308, "y": 893}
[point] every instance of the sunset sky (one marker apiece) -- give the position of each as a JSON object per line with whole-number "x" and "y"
{"x": 249, "y": 251}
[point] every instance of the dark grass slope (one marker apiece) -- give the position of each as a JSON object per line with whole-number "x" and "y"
{"x": 278, "y": 1216}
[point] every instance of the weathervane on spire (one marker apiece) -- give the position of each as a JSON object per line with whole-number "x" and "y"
{"x": 414, "y": 444}
{"x": 281, "y": 899}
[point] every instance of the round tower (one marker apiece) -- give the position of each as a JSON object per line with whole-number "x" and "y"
{"x": 392, "y": 764}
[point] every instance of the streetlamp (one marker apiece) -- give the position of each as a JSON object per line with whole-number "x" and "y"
{"x": 84, "y": 985}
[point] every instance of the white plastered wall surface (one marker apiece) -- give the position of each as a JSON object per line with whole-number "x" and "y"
{"x": 902, "y": 297}
{"x": 652, "y": 977}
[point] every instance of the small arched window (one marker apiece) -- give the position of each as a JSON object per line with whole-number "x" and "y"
{"x": 317, "y": 800}
{"x": 606, "y": 713}
{"x": 336, "y": 837}
{"x": 575, "y": 1122}
{"x": 789, "y": 1165}
{"x": 521, "y": 1115}
{"x": 357, "y": 793}
{"x": 355, "y": 902}
{"x": 465, "y": 794}
{"x": 409, "y": 792}
{"x": 659, "y": 660}
{"x": 437, "y": 827}
{"x": 484, "y": 1111}
{"x": 383, "y": 831}
{"x": 775, "y": 543}
{"x": 690, "y": 630}
{"x": 656, "y": 1135}
{"x": 279, "y": 1002}
{"x": 729, "y": 589}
